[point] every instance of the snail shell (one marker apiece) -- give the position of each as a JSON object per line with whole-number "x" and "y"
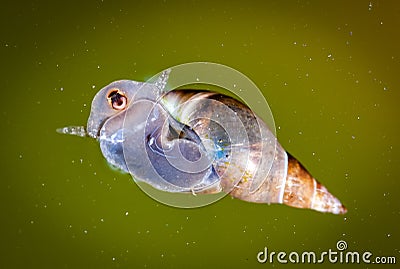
{"x": 284, "y": 180}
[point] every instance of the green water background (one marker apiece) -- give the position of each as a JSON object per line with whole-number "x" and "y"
{"x": 329, "y": 70}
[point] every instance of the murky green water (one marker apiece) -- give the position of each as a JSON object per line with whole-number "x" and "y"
{"x": 329, "y": 70}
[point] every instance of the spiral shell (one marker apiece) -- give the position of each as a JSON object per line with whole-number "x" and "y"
{"x": 261, "y": 171}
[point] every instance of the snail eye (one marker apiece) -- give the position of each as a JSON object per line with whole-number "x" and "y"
{"x": 117, "y": 99}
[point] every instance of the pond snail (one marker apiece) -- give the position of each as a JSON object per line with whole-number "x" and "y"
{"x": 198, "y": 142}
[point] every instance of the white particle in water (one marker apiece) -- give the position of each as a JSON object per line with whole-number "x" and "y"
{"x": 126, "y": 213}
{"x": 113, "y": 258}
{"x": 85, "y": 231}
